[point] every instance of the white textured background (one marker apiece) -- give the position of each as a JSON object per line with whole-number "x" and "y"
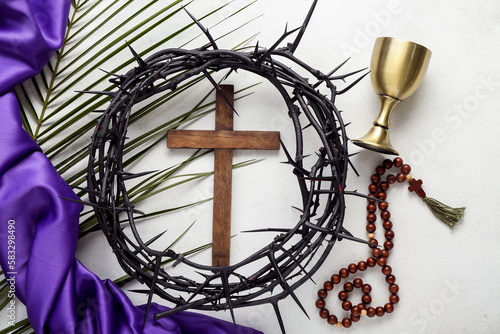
{"x": 448, "y": 131}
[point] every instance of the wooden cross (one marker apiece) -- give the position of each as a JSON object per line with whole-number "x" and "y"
{"x": 416, "y": 186}
{"x": 223, "y": 140}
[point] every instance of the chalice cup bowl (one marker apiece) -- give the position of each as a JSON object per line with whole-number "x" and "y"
{"x": 397, "y": 70}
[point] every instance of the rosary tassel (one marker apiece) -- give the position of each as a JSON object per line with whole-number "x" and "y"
{"x": 448, "y": 215}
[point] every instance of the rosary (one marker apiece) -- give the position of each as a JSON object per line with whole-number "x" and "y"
{"x": 377, "y": 189}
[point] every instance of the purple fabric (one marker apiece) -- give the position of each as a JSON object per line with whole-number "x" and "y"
{"x": 60, "y": 294}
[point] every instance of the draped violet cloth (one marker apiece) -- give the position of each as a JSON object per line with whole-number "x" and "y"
{"x": 60, "y": 294}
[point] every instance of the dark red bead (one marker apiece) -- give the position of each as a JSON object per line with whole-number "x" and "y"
{"x": 374, "y": 242}
{"x": 375, "y": 178}
{"x": 355, "y": 318}
{"x": 380, "y": 311}
{"x": 385, "y": 215}
{"x": 381, "y": 195}
{"x": 389, "y": 308}
{"x": 371, "y": 262}
{"x": 366, "y": 288}
{"x": 322, "y": 293}
{"x": 332, "y": 319}
{"x": 389, "y": 234}
{"x": 371, "y": 217}
{"x": 387, "y": 163}
{"x": 366, "y": 299}
{"x": 373, "y": 188}
{"x": 346, "y": 322}
{"x": 320, "y": 303}
{"x": 376, "y": 252}
{"x": 387, "y": 224}
{"x": 343, "y": 272}
{"x": 324, "y": 313}
{"x": 387, "y": 270}
{"x": 393, "y": 288}
{"x": 370, "y": 228}
{"x": 380, "y": 170}
{"x": 343, "y": 295}
{"x": 358, "y": 282}
{"x": 385, "y": 253}
{"x": 352, "y": 268}
{"x": 384, "y": 186}
{"x": 400, "y": 177}
{"x": 391, "y": 178}
{"x": 346, "y": 305}
{"x": 388, "y": 245}
{"x": 328, "y": 286}
{"x": 371, "y": 207}
{"x": 362, "y": 265}
{"x": 362, "y": 306}
{"x": 391, "y": 279}
{"x": 335, "y": 279}
{"x": 383, "y": 205}
{"x": 348, "y": 286}
{"x": 394, "y": 299}
{"x": 355, "y": 311}
{"x": 406, "y": 168}
{"x": 371, "y": 312}
{"x": 371, "y": 200}
{"x": 398, "y": 162}
{"x": 381, "y": 261}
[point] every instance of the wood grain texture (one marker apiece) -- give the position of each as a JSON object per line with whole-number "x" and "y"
{"x": 257, "y": 140}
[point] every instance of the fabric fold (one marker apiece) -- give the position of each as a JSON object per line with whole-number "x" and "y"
{"x": 60, "y": 294}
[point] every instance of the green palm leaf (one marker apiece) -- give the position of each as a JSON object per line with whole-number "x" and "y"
{"x": 61, "y": 120}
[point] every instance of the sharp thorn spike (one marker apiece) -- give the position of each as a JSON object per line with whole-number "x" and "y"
{"x": 151, "y": 292}
{"x": 278, "y": 316}
{"x": 295, "y": 44}
{"x": 138, "y": 59}
{"x": 217, "y": 87}
{"x": 202, "y": 28}
{"x": 274, "y": 46}
{"x": 353, "y": 84}
{"x": 227, "y": 294}
{"x": 112, "y": 94}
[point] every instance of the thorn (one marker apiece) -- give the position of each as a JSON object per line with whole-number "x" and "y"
{"x": 130, "y": 176}
{"x": 353, "y": 84}
{"x": 259, "y": 61}
{"x": 112, "y": 94}
{"x": 256, "y": 50}
{"x": 227, "y": 293}
{"x": 99, "y": 111}
{"x": 331, "y": 72}
{"x": 338, "y": 235}
{"x": 217, "y": 87}
{"x": 153, "y": 285}
{"x": 278, "y": 315}
{"x": 343, "y": 76}
{"x": 138, "y": 59}
{"x": 295, "y": 44}
{"x": 205, "y": 30}
{"x": 150, "y": 241}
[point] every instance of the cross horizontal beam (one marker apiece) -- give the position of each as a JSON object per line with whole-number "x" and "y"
{"x": 260, "y": 140}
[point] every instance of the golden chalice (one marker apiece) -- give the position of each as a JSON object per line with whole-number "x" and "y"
{"x": 397, "y": 70}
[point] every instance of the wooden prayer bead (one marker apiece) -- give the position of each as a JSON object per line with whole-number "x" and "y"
{"x": 381, "y": 261}
{"x": 406, "y": 168}
{"x": 366, "y": 288}
{"x": 385, "y": 253}
{"x": 355, "y": 311}
{"x": 391, "y": 279}
{"x": 383, "y": 205}
{"x": 387, "y": 163}
{"x": 381, "y": 195}
{"x": 343, "y": 295}
{"x": 385, "y": 215}
{"x": 393, "y": 288}
{"x": 324, "y": 313}
{"x": 322, "y": 293}
{"x": 320, "y": 303}
{"x": 346, "y": 322}
{"x": 371, "y": 235}
{"x": 394, "y": 299}
{"x": 371, "y": 217}
{"x": 389, "y": 234}
{"x": 387, "y": 224}
{"x": 401, "y": 177}
{"x": 384, "y": 186}
{"x": 328, "y": 286}
{"x": 371, "y": 312}
{"x": 371, "y": 262}
{"x": 380, "y": 311}
{"x": 374, "y": 242}
{"x": 373, "y": 188}
{"x": 391, "y": 178}
{"x": 343, "y": 272}
{"x": 371, "y": 207}
{"x": 346, "y": 305}
{"x": 375, "y": 178}
{"x": 387, "y": 270}
{"x": 388, "y": 245}
{"x": 371, "y": 200}
{"x": 380, "y": 170}
{"x": 348, "y": 286}
{"x": 398, "y": 162}
{"x": 358, "y": 282}
{"x": 335, "y": 279}
{"x": 367, "y": 299}
{"x": 389, "y": 308}
{"x": 352, "y": 268}
{"x": 376, "y": 252}
{"x": 355, "y": 318}
{"x": 371, "y": 228}
{"x": 362, "y": 265}
{"x": 332, "y": 319}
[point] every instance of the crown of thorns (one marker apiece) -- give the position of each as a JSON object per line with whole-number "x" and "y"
{"x": 322, "y": 187}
